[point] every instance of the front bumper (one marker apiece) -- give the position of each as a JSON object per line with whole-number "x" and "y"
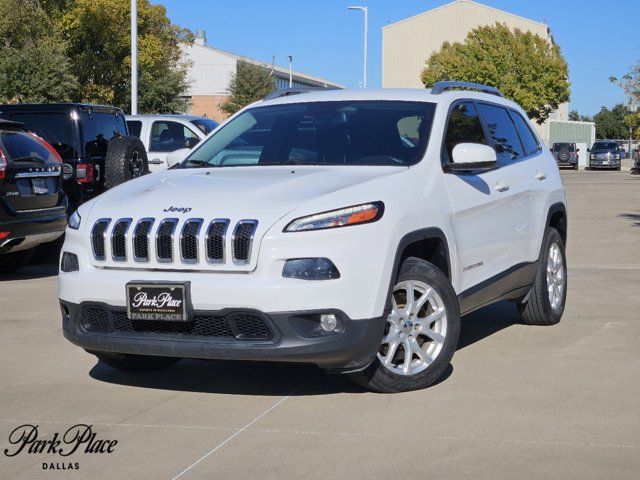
{"x": 292, "y": 340}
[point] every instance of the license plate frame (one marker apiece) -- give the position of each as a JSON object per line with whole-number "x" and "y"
{"x": 156, "y": 301}
{"x": 39, "y": 186}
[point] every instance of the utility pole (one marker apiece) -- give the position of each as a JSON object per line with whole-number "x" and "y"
{"x": 290, "y": 57}
{"x": 365, "y": 10}
{"x": 134, "y": 57}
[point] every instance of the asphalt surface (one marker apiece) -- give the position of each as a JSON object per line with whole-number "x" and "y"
{"x": 557, "y": 402}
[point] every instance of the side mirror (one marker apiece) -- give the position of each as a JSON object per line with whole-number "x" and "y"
{"x": 177, "y": 156}
{"x": 588, "y": 149}
{"x": 577, "y": 150}
{"x": 470, "y": 157}
{"x": 192, "y": 142}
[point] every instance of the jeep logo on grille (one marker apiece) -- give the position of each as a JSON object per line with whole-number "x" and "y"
{"x": 178, "y": 209}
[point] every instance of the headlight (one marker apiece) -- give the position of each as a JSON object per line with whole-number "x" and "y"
{"x": 343, "y": 217}
{"x": 593, "y": 156}
{"x": 616, "y": 156}
{"x": 74, "y": 221}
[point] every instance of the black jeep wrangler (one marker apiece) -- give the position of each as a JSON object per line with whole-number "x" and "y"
{"x": 92, "y": 141}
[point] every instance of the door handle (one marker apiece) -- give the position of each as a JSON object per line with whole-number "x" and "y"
{"x": 501, "y": 187}
{"x": 541, "y": 176}
{"x": 155, "y": 161}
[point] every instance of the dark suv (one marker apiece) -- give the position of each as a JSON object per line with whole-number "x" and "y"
{"x": 605, "y": 155}
{"x": 90, "y": 139}
{"x": 33, "y": 206}
{"x": 566, "y": 154}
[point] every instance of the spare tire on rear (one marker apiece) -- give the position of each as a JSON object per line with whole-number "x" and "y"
{"x": 126, "y": 159}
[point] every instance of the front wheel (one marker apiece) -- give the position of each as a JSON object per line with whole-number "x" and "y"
{"x": 421, "y": 333}
{"x": 544, "y": 305}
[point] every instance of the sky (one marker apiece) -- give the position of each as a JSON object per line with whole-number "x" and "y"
{"x": 598, "y": 39}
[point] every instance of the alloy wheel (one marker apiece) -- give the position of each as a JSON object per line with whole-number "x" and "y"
{"x": 556, "y": 278}
{"x": 416, "y": 328}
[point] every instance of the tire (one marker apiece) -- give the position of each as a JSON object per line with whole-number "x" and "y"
{"x": 10, "y": 262}
{"x": 575, "y": 167}
{"x": 134, "y": 363}
{"x": 537, "y": 308}
{"x": 126, "y": 159}
{"x": 439, "y": 313}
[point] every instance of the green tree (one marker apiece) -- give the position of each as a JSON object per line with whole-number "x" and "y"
{"x": 99, "y": 46}
{"x": 33, "y": 63}
{"x": 611, "y": 123}
{"x": 249, "y": 84}
{"x": 527, "y": 68}
{"x": 576, "y": 117}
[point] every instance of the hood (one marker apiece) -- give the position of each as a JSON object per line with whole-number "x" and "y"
{"x": 263, "y": 193}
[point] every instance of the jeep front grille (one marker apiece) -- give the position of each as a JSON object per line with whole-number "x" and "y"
{"x": 173, "y": 241}
{"x": 119, "y": 240}
{"x": 141, "y": 236}
{"x": 216, "y": 240}
{"x": 242, "y": 240}
{"x": 164, "y": 240}
{"x": 97, "y": 238}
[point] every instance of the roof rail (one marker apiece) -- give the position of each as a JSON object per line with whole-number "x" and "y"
{"x": 285, "y": 92}
{"x": 440, "y": 87}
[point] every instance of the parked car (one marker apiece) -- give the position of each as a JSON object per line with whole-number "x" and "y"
{"x": 32, "y": 203}
{"x": 566, "y": 154}
{"x": 347, "y": 229}
{"x": 164, "y": 134}
{"x": 605, "y": 155}
{"x": 91, "y": 140}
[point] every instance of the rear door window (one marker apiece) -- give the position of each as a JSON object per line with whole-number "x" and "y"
{"x": 464, "y": 127}
{"x": 529, "y": 142}
{"x": 502, "y": 132}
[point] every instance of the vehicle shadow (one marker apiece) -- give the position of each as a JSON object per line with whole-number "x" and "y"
{"x": 32, "y": 272}
{"x": 634, "y": 217}
{"x": 280, "y": 379}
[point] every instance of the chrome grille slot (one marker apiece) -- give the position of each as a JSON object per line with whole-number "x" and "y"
{"x": 164, "y": 240}
{"x": 216, "y": 240}
{"x": 242, "y": 240}
{"x": 119, "y": 240}
{"x": 97, "y": 238}
{"x": 141, "y": 239}
{"x": 189, "y": 240}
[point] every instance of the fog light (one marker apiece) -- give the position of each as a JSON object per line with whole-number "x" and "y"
{"x": 310, "y": 269}
{"x": 69, "y": 262}
{"x": 328, "y": 322}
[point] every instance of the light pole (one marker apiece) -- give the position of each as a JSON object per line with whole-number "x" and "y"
{"x": 290, "y": 57}
{"x": 366, "y": 41}
{"x": 134, "y": 57}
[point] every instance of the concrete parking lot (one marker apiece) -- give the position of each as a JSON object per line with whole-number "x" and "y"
{"x": 557, "y": 402}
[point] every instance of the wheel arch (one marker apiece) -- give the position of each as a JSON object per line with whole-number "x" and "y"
{"x": 429, "y": 244}
{"x": 557, "y": 218}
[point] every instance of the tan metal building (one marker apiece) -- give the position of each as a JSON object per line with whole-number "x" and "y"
{"x": 407, "y": 44}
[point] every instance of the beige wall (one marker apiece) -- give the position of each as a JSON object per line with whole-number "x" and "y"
{"x": 407, "y": 44}
{"x": 209, "y": 105}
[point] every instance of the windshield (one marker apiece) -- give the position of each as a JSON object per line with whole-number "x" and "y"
{"x": 205, "y": 125}
{"x": 321, "y": 133}
{"x": 605, "y": 146}
{"x": 564, "y": 147}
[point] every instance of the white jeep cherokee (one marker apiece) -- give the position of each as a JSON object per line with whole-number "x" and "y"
{"x": 347, "y": 229}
